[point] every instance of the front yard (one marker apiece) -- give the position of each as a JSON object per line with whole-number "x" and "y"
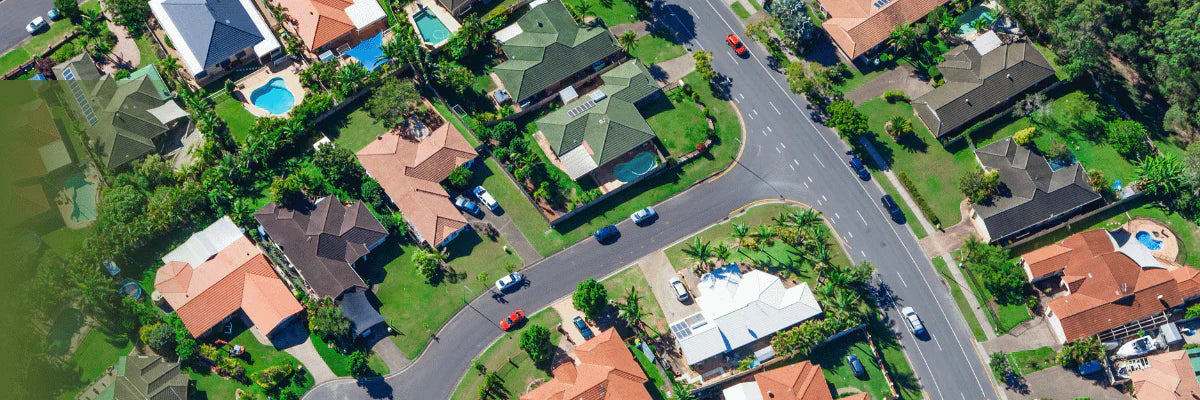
{"x": 57, "y": 31}
{"x": 257, "y": 357}
{"x": 618, "y": 285}
{"x": 506, "y": 358}
{"x": 679, "y": 125}
{"x": 613, "y": 12}
{"x": 960, "y": 299}
{"x": 831, "y": 357}
{"x": 656, "y": 47}
{"x": 339, "y": 362}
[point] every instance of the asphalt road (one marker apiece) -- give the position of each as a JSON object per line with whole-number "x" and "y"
{"x": 785, "y": 156}
{"x": 14, "y": 15}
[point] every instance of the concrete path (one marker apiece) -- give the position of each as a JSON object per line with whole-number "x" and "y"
{"x": 388, "y": 351}
{"x": 950, "y": 239}
{"x": 903, "y": 78}
{"x": 294, "y": 340}
{"x": 976, "y": 309}
{"x": 642, "y": 28}
{"x": 887, "y": 171}
{"x": 1028, "y": 335}
{"x": 672, "y": 70}
{"x": 125, "y": 54}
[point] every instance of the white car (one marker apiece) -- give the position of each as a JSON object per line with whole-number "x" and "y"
{"x": 508, "y": 281}
{"x": 913, "y": 321}
{"x": 643, "y": 215}
{"x": 36, "y": 25}
{"x": 485, "y": 198}
{"x": 681, "y": 292}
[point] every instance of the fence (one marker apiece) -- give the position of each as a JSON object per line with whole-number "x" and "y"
{"x": 1067, "y": 225}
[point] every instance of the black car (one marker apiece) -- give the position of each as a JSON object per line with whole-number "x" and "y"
{"x": 860, "y": 169}
{"x": 606, "y": 234}
{"x": 856, "y": 366}
{"x": 893, "y": 208}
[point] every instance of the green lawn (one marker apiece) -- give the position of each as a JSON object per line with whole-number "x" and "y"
{"x": 933, "y": 169}
{"x": 618, "y": 12}
{"x": 340, "y": 363}
{"x": 1029, "y": 361}
{"x": 235, "y": 116}
{"x": 515, "y": 205}
{"x": 619, "y": 284}
{"x": 832, "y": 359}
{"x": 402, "y": 289}
{"x": 896, "y": 362}
{"x": 680, "y": 126}
{"x": 1003, "y": 317}
{"x": 909, "y": 216}
{"x": 860, "y": 74}
{"x": 658, "y": 384}
{"x": 753, "y": 217}
{"x": 95, "y": 354}
{"x": 65, "y": 239}
{"x": 653, "y": 49}
{"x": 36, "y": 44}
{"x": 509, "y": 361}
{"x": 257, "y": 358}
{"x": 740, "y": 10}
{"x": 351, "y": 127}
{"x": 960, "y": 299}
{"x": 146, "y": 48}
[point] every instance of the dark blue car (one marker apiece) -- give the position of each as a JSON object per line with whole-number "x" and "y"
{"x": 606, "y": 234}
{"x": 860, "y": 169}
{"x": 856, "y": 366}
{"x": 583, "y": 328}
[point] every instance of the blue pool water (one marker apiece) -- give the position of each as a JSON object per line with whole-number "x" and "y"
{"x": 631, "y": 170}
{"x": 273, "y": 97}
{"x": 977, "y": 12}
{"x": 432, "y": 29}
{"x": 367, "y": 52}
{"x": 1149, "y": 241}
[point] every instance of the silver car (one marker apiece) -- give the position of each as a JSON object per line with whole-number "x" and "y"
{"x": 913, "y": 321}
{"x": 681, "y": 292}
{"x": 643, "y": 215}
{"x": 509, "y": 281}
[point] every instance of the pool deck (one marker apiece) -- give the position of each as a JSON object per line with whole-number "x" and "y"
{"x": 65, "y": 200}
{"x": 442, "y": 15}
{"x": 1169, "y": 252}
{"x": 607, "y": 181}
{"x": 288, "y": 71}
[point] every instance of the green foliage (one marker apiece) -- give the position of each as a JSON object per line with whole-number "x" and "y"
{"x": 325, "y": 319}
{"x": 287, "y": 191}
{"x": 131, "y": 14}
{"x": 590, "y": 297}
{"x": 535, "y": 340}
{"x": 794, "y": 21}
{"x": 921, "y": 203}
{"x": 1000, "y": 366}
{"x": 704, "y": 64}
{"x": 1025, "y": 136}
{"x": 273, "y": 376}
{"x": 373, "y": 194}
{"x": 1058, "y": 151}
{"x": 1162, "y": 176}
{"x": 893, "y": 96}
{"x": 161, "y": 338}
{"x": 979, "y": 186}
{"x": 849, "y": 122}
{"x": 1193, "y": 311}
{"x": 428, "y": 264}
{"x": 1129, "y": 138}
{"x": 68, "y": 8}
{"x": 393, "y": 101}
{"x": 454, "y": 76}
{"x": 340, "y": 167}
{"x": 459, "y": 177}
{"x": 358, "y": 364}
{"x": 627, "y": 40}
{"x": 798, "y": 340}
{"x": 1076, "y": 353}
{"x": 899, "y": 126}
{"x": 1001, "y": 276}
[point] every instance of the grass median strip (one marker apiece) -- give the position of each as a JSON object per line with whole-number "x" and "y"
{"x": 961, "y": 300}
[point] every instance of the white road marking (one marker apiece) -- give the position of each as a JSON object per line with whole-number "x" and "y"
{"x": 754, "y": 111}
{"x": 860, "y": 216}
{"x": 742, "y": 95}
{"x": 851, "y": 234}
{"x": 806, "y": 185}
{"x": 795, "y": 161}
{"x": 818, "y": 160}
{"x": 809, "y": 178}
{"x": 735, "y": 100}
{"x": 835, "y": 215}
{"x": 778, "y": 151}
{"x": 769, "y": 128}
{"x": 823, "y": 198}
{"x": 764, "y": 133}
{"x": 864, "y": 254}
{"x": 902, "y": 279}
{"x": 750, "y": 115}
{"x": 784, "y": 145}
{"x": 937, "y": 342}
{"x": 793, "y": 167}
{"x": 735, "y": 60}
{"x": 776, "y": 108}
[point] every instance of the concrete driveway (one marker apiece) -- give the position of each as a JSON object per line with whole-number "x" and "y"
{"x": 658, "y": 271}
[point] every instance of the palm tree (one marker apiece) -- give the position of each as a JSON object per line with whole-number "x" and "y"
{"x": 948, "y": 23}
{"x": 631, "y": 308}
{"x": 628, "y": 41}
{"x": 764, "y": 234}
{"x": 819, "y": 257}
{"x": 805, "y": 218}
{"x": 740, "y": 230}
{"x": 980, "y": 24}
{"x": 294, "y": 128}
{"x": 782, "y": 221}
{"x": 722, "y": 253}
{"x": 699, "y": 252}
{"x": 972, "y": 246}
{"x": 903, "y": 38}
{"x": 91, "y": 24}
{"x": 392, "y": 51}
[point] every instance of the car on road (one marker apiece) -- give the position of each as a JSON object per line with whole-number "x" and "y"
{"x": 509, "y": 281}
{"x": 607, "y": 234}
{"x": 735, "y": 44}
{"x": 583, "y": 328}
{"x": 856, "y": 366}
{"x": 36, "y": 25}
{"x": 644, "y": 215}
{"x": 892, "y": 208}
{"x": 512, "y": 320}
{"x": 858, "y": 167}
{"x": 681, "y": 292}
{"x": 913, "y": 321}
{"x": 485, "y": 198}
{"x": 469, "y": 206}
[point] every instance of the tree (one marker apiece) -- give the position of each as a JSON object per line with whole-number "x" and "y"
{"x": 1129, "y": 138}
{"x": 161, "y": 338}
{"x": 393, "y": 101}
{"x": 794, "y": 22}
{"x": 131, "y": 14}
{"x": 1025, "y": 136}
{"x": 287, "y": 191}
{"x": 903, "y": 38}
{"x": 630, "y": 308}
{"x": 1031, "y": 104}
{"x": 459, "y": 177}
{"x": 628, "y": 40}
{"x": 339, "y": 166}
{"x": 351, "y": 78}
{"x": 454, "y": 76}
{"x": 979, "y": 186}
{"x": 68, "y": 8}
{"x": 327, "y": 321}
{"x": 849, "y": 122}
{"x": 1080, "y": 351}
{"x": 699, "y": 252}
{"x": 358, "y": 364}
{"x": 590, "y": 297}
{"x": 1161, "y": 176}
{"x": 704, "y": 65}
{"x": 1058, "y": 151}
{"x": 722, "y": 253}
{"x": 898, "y": 126}
{"x": 535, "y": 340}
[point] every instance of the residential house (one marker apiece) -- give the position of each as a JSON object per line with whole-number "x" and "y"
{"x": 328, "y": 24}
{"x": 1110, "y": 285}
{"x": 548, "y": 51}
{"x": 219, "y": 273}
{"x": 737, "y": 309}
{"x": 214, "y": 37}
{"x": 981, "y": 77}
{"x": 859, "y": 26}
{"x": 799, "y": 381}
{"x": 1170, "y": 376}
{"x": 591, "y": 134}
{"x": 146, "y": 378}
{"x": 410, "y": 168}
{"x": 603, "y": 368}
{"x": 127, "y": 118}
{"x": 457, "y": 7}
{"x": 1033, "y": 195}
{"x": 323, "y": 241}
{"x": 30, "y": 159}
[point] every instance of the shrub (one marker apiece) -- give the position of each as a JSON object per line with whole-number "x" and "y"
{"x": 121, "y": 74}
{"x": 1080, "y": 351}
{"x": 327, "y": 321}
{"x": 1193, "y": 311}
{"x": 590, "y": 297}
{"x": 459, "y": 177}
{"x": 849, "y": 122}
{"x": 272, "y": 376}
{"x": 145, "y": 331}
{"x": 912, "y": 190}
{"x": 979, "y": 186}
{"x": 358, "y": 364}
{"x": 1058, "y": 151}
{"x": 893, "y": 96}
{"x": 1025, "y": 136}
{"x": 162, "y": 338}
{"x": 899, "y": 126}
{"x": 535, "y": 340}
{"x": 1129, "y": 138}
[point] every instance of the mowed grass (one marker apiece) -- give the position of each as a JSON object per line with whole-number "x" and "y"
{"x": 653, "y": 49}
{"x": 340, "y": 363}
{"x": 258, "y": 357}
{"x": 146, "y": 48}
{"x": 831, "y": 357}
{"x": 235, "y": 116}
{"x": 1029, "y": 361}
{"x": 909, "y": 215}
{"x": 680, "y": 126}
{"x": 43, "y": 40}
{"x": 487, "y": 173}
{"x": 960, "y": 299}
{"x": 510, "y": 362}
{"x": 933, "y": 169}
{"x": 351, "y": 127}
{"x": 739, "y": 10}
{"x": 753, "y": 217}
{"x": 658, "y": 384}
{"x": 618, "y": 285}
{"x": 1003, "y": 317}
{"x": 616, "y": 13}
{"x": 96, "y": 352}
{"x": 402, "y": 290}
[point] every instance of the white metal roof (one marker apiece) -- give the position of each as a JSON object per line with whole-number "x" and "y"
{"x": 743, "y": 391}
{"x": 205, "y": 244}
{"x": 508, "y": 32}
{"x": 365, "y": 12}
{"x": 987, "y": 42}
{"x": 167, "y": 112}
{"x": 578, "y": 162}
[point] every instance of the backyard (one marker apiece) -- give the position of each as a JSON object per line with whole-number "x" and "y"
{"x": 658, "y": 383}
{"x": 613, "y": 12}
{"x": 511, "y": 363}
{"x": 95, "y": 354}
{"x": 234, "y": 114}
{"x": 351, "y": 127}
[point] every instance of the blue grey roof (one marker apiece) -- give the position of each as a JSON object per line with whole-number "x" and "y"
{"x": 213, "y": 29}
{"x": 358, "y": 310}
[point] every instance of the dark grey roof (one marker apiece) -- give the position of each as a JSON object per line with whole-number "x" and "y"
{"x": 456, "y": 6}
{"x": 1031, "y": 192}
{"x": 977, "y": 83}
{"x": 323, "y": 240}
{"x": 149, "y": 378}
{"x": 358, "y": 309}
{"x": 213, "y": 29}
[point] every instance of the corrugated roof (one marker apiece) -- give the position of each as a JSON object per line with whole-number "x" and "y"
{"x": 551, "y": 47}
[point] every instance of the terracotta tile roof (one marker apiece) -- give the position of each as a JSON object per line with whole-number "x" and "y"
{"x": 319, "y": 21}
{"x": 857, "y": 25}
{"x": 1075, "y": 250}
{"x": 1047, "y": 260}
{"x": 1170, "y": 376}
{"x": 856, "y": 396}
{"x": 410, "y": 171}
{"x": 799, "y": 381}
{"x": 604, "y": 369}
{"x": 237, "y": 277}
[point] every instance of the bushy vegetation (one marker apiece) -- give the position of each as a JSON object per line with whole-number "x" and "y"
{"x": 921, "y": 203}
{"x": 993, "y": 267}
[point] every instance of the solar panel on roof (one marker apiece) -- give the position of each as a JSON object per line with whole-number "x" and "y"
{"x": 681, "y": 330}
{"x": 881, "y": 3}
{"x": 88, "y": 112}
{"x": 581, "y": 108}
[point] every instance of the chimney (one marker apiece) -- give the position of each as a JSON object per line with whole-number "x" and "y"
{"x": 968, "y": 101}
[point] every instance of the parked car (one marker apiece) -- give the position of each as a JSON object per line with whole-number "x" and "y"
{"x": 681, "y": 292}
{"x": 509, "y": 281}
{"x": 913, "y": 321}
{"x": 53, "y": 14}
{"x": 860, "y": 169}
{"x": 36, "y": 25}
{"x": 643, "y": 215}
{"x": 892, "y": 208}
{"x": 583, "y": 328}
{"x": 856, "y": 366}
{"x": 468, "y": 206}
{"x": 485, "y": 198}
{"x": 512, "y": 320}
{"x": 606, "y": 234}
{"x": 735, "y": 44}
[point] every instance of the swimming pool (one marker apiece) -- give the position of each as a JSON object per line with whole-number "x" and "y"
{"x": 432, "y": 29}
{"x": 83, "y": 199}
{"x": 367, "y": 52}
{"x": 631, "y": 170}
{"x": 1149, "y": 241}
{"x": 273, "y": 97}
{"x": 977, "y": 12}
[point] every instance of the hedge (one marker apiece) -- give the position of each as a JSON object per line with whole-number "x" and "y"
{"x": 925, "y": 209}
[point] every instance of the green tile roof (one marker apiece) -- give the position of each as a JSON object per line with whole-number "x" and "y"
{"x": 551, "y": 47}
{"x": 613, "y": 126}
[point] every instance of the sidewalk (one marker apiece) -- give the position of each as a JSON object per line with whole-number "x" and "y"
{"x": 887, "y": 171}
{"x": 976, "y": 309}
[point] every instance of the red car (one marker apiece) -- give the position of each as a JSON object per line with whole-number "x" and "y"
{"x": 736, "y": 44}
{"x": 513, "y": 319}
